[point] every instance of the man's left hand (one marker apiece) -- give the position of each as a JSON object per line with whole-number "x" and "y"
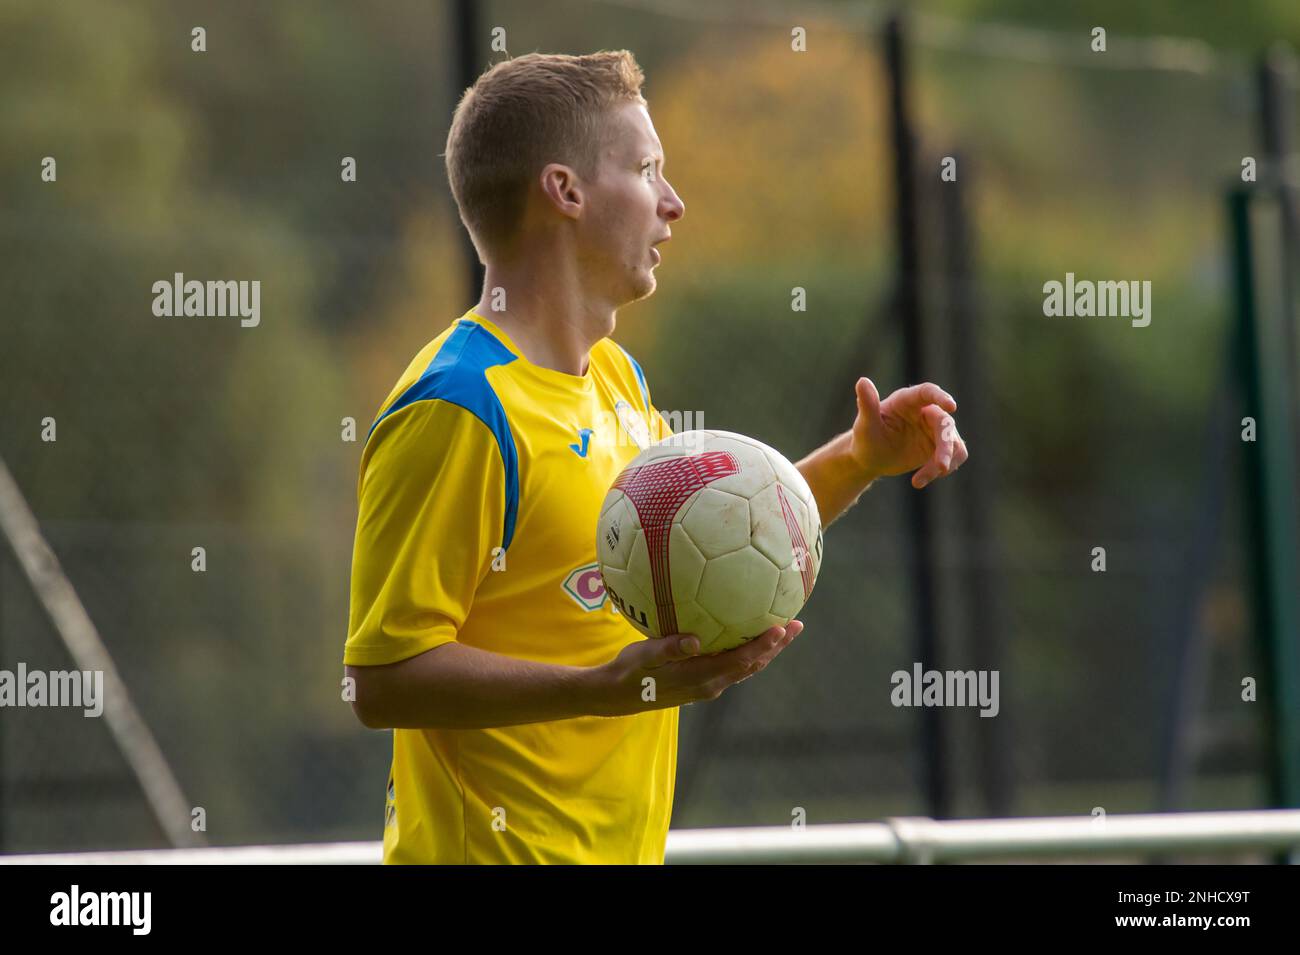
{"x": 912, "y": 429}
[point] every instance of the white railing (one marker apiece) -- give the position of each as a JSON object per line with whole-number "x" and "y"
{"x": 901, "y": 840}
{"x": 922, "y": 840}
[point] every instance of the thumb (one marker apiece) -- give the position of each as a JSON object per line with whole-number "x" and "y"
{"x": 868, "y": 399}
{"x": 663, "y": 650}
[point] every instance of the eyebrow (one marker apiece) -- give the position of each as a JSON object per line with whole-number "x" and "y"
{"x": 655, "y": 151}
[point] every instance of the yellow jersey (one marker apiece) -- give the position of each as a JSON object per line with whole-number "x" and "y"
{"x": 480, "y": 487}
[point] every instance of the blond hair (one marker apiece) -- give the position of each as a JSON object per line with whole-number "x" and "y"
{"x": 522, "y": 114}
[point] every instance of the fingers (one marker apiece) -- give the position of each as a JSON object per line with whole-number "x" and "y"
{"x": 685, "y": 646}
{"x": 917, "y": 396}
{"x": 939, "y": 462}
{"x": 767, "y": 643}
{"x": 749, "y": 658}
{"x": 959, "y": 454}
{"x": 679, "y": 646}
{"x": 787, "y": 634}
{"x": 706, "y": 677}
{"x": 791, "y": 630}
{"x": 949, "y": 449}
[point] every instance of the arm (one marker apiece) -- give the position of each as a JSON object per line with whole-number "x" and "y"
{"x": 911, "y": 429}
{"x": 454, "y": 686}
{"x": 836, "y": 481}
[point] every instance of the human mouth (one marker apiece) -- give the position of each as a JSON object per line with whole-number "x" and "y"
{"x": 655, "y": 252}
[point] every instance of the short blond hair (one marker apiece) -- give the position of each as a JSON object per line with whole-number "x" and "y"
{"x": 522, "y": 114}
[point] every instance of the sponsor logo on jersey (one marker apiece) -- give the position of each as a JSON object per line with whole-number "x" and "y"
{"x": 585, "y": 585}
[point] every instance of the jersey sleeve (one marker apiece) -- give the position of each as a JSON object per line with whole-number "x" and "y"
{"x": 431, "y": 510}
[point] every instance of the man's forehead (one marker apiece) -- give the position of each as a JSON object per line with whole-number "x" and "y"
{"x": 634, "y": 133}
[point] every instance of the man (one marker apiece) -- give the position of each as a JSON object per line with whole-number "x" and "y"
{"x": 477, "y": 629}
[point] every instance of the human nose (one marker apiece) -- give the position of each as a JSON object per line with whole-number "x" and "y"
{"x": 674, "y": 208}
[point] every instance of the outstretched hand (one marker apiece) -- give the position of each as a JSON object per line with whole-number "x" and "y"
{"x": 912, "y": 429}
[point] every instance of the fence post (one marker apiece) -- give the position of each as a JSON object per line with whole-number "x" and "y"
{"x": 920, "y": 518}
{"x": 1270, "y": 516}
{"x": 467, "y": 71}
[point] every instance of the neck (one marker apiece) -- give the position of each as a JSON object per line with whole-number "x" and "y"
{"x": 549, "y": 316}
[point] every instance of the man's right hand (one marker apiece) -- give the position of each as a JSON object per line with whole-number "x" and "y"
{"x": 679, "y": 673}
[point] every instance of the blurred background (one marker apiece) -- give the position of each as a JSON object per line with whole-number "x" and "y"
{"x": 1119, "y": 689}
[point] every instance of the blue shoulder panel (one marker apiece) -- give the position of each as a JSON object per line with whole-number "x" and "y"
{"x": 457, "y": 375}
{"x": 640, "y": 378}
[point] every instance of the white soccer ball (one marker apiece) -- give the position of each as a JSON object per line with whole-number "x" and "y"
{"x": 710, "y": 533}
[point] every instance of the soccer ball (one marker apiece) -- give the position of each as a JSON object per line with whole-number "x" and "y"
{"x": 710, "y": 533}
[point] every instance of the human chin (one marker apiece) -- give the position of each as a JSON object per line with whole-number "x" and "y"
{"x": 643, "y": 284}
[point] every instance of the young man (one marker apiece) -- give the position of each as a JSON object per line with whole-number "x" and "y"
{"x": 479, "y": 631}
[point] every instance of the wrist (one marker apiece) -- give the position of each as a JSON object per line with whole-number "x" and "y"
{"x": 854, "y": 467}
{"x": 595, "y": 690}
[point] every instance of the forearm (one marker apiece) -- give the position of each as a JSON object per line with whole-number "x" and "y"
{"x": 455, "y": 686}
{"x": 836, "y": 481}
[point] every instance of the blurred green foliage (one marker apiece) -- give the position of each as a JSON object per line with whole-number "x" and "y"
{"x": 175, "y": 433}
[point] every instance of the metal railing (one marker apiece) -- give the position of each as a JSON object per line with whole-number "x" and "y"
{"x": 907, "y": 840}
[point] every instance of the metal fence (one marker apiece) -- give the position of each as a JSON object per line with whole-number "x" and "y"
{"x": 914, "y": 840}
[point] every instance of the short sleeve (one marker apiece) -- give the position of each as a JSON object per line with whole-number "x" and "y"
{"x": 431, "y": 510}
